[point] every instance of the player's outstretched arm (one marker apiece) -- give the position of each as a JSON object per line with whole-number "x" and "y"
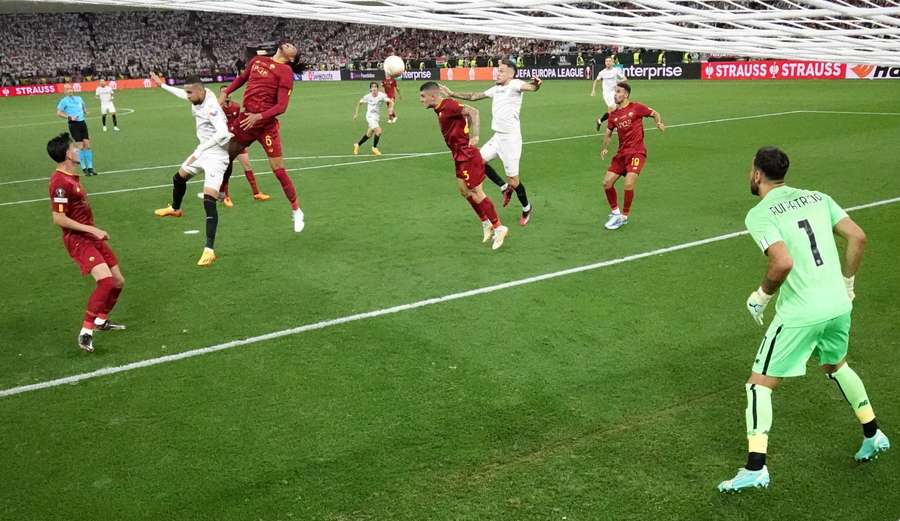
{"x": 470, "y": 96}
{"x": 168, "y": 88}
{"x": 356, "y": 112}
{"x": 856, "y": 245}
{"x": 532, "y": 85}
{"x": 236, "y": 83}
{"x": 473, "y": 120}
{"x": 594, "y": 87}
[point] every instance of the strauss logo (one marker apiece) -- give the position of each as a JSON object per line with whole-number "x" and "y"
{"x": 862, "y": 71}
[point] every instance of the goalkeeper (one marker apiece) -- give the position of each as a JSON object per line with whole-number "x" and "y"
{"x": 795, "y": 228}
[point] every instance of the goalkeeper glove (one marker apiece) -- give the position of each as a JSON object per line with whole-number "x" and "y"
{"x": 757, "y": 303}
{"x": 849, "y": 282}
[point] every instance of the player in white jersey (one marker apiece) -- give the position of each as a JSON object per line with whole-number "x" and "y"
{"x": 609, "y": 78}
{"x": 506, "y": 143}
{"x": 105, "y": 94}
{"x": 374, "y": 99}
{"x": 210, "y": 157}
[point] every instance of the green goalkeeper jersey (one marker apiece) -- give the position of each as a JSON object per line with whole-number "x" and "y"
{"x": 804, "y": 220}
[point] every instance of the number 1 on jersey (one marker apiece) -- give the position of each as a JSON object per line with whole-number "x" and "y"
{"x": 812, "y": 241}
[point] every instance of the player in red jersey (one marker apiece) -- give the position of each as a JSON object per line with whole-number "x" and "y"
{"x": 392, "y": 90}
{"x": 627, "y": 120}
{"x": 460, "y": 126}
{"x": 232, "y": 112}
{"x": 86, "y": 244}
{"x": 269, "y": 85}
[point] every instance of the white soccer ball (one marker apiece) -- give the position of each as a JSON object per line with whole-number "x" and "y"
{"x": 394, "y": 66}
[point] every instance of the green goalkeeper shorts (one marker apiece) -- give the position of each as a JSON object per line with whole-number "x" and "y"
{"x": 785, "y": 350}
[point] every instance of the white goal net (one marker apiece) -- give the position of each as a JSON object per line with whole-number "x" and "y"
{"x": 859, "y": 31}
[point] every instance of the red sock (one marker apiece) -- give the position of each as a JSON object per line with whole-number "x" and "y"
{"x": 110, "y": 302}
{"x": 629, "y": 196}
{"x": 489, "y": 211}
{"x": 97, "y": 302}
{"x": 288, "y": 186}
{"x": 477, "y": 208}
{"x": 613, "y": 198}
{"x": 252, "y": 180}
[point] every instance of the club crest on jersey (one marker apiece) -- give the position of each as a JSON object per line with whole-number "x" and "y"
{"x": 59, "y": 192}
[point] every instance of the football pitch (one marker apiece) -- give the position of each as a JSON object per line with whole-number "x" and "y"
{"x": 386, "y": 365}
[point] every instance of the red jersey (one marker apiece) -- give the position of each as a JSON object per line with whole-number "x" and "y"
{"x": 455, "y": 129}
{"x": 231, "y": 110}
{"x": 390, "y": 87}
{"x": 269, "y": 86}
{"x": 69, "y": 198}
{"x": 628, "y": 122}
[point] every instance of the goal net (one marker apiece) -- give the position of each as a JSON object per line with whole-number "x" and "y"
{"x": 859, "y": 31}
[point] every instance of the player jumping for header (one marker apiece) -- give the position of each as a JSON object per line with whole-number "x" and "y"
{"x": 795, "y": 228}
{"x": 628, "y": 162}
{"x": 210, "y": 157}
{"x": 459, "y": 125}
{"x": 269, "y": 85}
{"x": 506, "y": 143}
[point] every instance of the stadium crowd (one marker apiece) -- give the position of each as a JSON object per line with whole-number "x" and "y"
{"x": 132, "y": 43}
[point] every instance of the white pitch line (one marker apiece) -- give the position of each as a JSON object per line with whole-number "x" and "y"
{"x": 59, "y": 122}
{"x": 404, "y": 156}
{"x": 169, "y": 185}
{"x": 106, "y": 371}
{"x": 175, "y": 165}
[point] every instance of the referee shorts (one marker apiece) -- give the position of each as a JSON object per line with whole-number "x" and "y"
{"x": 78, "y": 130}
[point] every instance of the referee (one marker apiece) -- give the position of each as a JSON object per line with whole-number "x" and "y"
{"x": 73, "y": 110}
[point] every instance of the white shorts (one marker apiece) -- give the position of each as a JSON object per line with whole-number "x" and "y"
{"x": 609, "y": 97}
{"x": 212, "y": 162}
{"x": 373, "y": 121}
{"x": 107, "y": 108}
{"x": 506, "y": 146}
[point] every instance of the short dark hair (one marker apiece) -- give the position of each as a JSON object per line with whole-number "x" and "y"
{"x": 193, "y": 80}
{"x": 59, "y": 146}
{"x": 373, "y": 83}
{"x": 509, "y": 63}
{"x": 625, "y": 86}
{"x": 428, "y": 85}
{"x": 772, "y": 162}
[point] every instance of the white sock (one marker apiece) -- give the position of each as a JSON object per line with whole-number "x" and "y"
{"x": 617, "y": 212}
{"x": 299, "y": 212}
{"x": 504, "y": 187}
{"x": 527, "y": 208}
{"x": 98, "y": 321}
{"x": 86, "y": 331}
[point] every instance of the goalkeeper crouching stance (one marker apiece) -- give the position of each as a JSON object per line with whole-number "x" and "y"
{"x": 795, "y": 228}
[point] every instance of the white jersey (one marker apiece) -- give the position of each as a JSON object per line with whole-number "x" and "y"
{"x": 610, "y": 77}
{"x": 374, "y": 104}
{"x": 105, "y": 94}
{"x": 212, "y": 127}
{"x": 505, "y": 107}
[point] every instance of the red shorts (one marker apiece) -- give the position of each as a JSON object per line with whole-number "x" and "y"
{"x": 89, "y": 253}
{"x": 266, "y": 132}
{"x": 627, "y": 163}
{"x": 471, "y": 171}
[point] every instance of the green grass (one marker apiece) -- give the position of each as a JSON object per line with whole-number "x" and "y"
{"x": 610, "y": 394}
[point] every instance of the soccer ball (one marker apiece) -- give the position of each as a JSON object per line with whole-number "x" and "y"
{"x": 394, "y": 66}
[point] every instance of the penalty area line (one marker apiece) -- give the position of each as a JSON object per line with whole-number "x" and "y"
{"x": 106, "y": 371}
